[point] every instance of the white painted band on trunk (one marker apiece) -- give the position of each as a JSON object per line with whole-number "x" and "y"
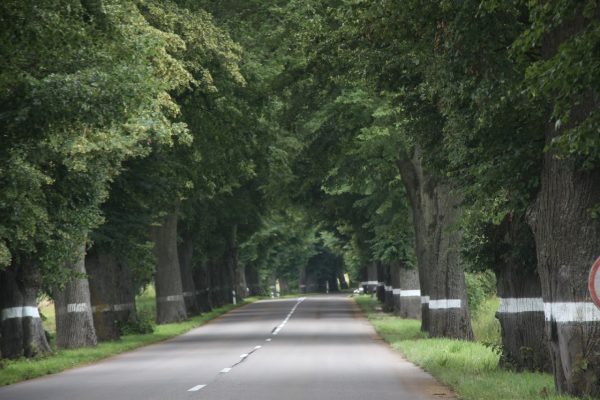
{"x": 175, "y": 297}
{"x": 77, "y": 307}
{"x": 443, "y": 304}
{"x": 520, "y": 304}
{"x": 424, "y": 299}
{"x": 20, "y": 312}
{"x": 410, "y": 293}
{"x": 396, "y": 291}
{"x": 388, "y": 288}
{"x": 381, "y": 284}
{"x": 369, "y": 283}
{"x": 571, "y": 312}
{"x": 113, "y": 307}
{"x": 188, "y": 294}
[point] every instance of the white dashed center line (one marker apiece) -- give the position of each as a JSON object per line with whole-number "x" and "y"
{"x": 196, "y": 388}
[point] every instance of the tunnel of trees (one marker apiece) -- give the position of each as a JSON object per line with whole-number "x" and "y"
{"x": 221, "y": 148}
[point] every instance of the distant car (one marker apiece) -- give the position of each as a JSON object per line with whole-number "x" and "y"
{"x": 360, "y": 290}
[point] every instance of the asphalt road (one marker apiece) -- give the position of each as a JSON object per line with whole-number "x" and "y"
{"x": 314, "y": 348}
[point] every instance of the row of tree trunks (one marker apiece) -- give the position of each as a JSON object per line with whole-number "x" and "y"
{"x": 112, "y": 293}
{"x": 435, "y": 211}
{"x": 22, "y": 333}
{"x": 202, "y": 283}
{"x": 170, "y": 304}
{"x": 74, "y": 320}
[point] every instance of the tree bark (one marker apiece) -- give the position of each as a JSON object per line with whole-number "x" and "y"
{"x": 342, "y": 279}
{"x": 170, "y": 306}
{"x": 436, "y": 211}
{"x": 112, "y": 293}
{"x": 372, "y": 282}
{"x": 521, "y": 311}
{"x": 567, "y": 243}
{"x": 185, "y": 252}
{"x": 74, "y": 320}
{"x": 22, "y": 333}
{"x": 388, "y": 299}
{"x": 380, "y": 291}
{"x": 410, "y": 292}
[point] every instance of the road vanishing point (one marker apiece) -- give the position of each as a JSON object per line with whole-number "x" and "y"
{"x": 317, "y": 348}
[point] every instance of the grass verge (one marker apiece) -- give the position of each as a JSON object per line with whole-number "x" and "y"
{"x": 469, "y": 368}
{"x": 12, "y": 371}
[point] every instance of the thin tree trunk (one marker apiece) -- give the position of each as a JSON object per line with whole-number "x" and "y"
{"x": 302, "y": 281}
{"x": 388, "y": 300}
{"x": 22, "y": 333}
{"x": 74, "y": 320}
{"x": 342, "y": 279}
{"x": 170, "y": 306}
{"x": 372, "y": 282}
{"x": 436, "y": 211}
{"x": 202, "y": 283}
{"x": 380, "y": 282}
{"x": 185, "y": 252}
{"x": 111, "y": 293}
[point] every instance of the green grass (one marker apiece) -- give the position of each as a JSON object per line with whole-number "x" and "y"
{"x": 12, "y": 371}
{"x": 469, "y": 368}
{"x": 485, "y": 325}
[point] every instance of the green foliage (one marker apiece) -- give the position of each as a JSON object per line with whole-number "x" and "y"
{"x": 139, "y": 324}
{"x": 480, "y": 287}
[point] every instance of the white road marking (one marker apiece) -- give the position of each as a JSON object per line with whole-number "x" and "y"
{"x": 257, "y": 347}
{"x": 196, "y": 388}
{"x": 225, "y": 370}
{"x": 244, "y": 355}
{"x": 268, "y": 340}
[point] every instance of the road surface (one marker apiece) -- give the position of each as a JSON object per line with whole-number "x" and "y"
{"x": 314, "y": 348}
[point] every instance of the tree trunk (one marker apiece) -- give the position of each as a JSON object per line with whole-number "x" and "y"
{"x": 521, "y": 311}
{"x": 202, "y": 283}
{"x": 372, "y": 282}
{"x": 410, "y": 292}
{"x": 388, "y": 299}
{"x": 111, "y": 293}
{"x": 74, "y": 320}
{"x": 22, "y": 333}
{"x": 567, "y": 242}
{"x": 170, "y": 306}
{"x": 380, "y": 282}
{"x": 342, "y": 279}
{"x": 436, "y": 211}
{"x": 231, "y": 262}
{"x": 185, "y": 251}
{"x": 302, "y": 280}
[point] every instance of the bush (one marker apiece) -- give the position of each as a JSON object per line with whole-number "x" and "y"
{"x": 138, "y": 323}
{"x": 480, "y": 287}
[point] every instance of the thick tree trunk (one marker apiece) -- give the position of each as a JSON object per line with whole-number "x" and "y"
{"x": 185, "y": 251}
{"x": 380, "y": 282}
{"x": 111, "y": 293}
{"x": 22, "y": 333}
{"x": 567, "y": 242}
{"x": 410, "y": 292}
{"x": 216, "y": 282}
{"x": 436, "y": 211}
{"x": 395, "y": 279}
{"x": 170, "y": 306}
{"x": 74, "y": 320}
{"x": 521, "y": 312}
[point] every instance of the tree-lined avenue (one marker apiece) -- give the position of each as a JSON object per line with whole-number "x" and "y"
{"x": 326, "y": 350}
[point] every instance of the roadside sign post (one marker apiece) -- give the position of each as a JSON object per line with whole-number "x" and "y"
{"x": 594, "y": 282}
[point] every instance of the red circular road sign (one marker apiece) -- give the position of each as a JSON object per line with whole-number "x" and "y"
{"x": 594, "y": 282}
